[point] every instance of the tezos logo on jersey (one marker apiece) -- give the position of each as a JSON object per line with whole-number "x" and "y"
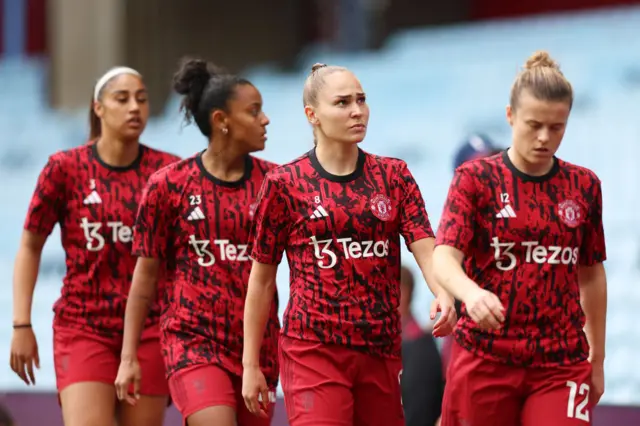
{"x": 119, "y": 232}
{"x": 381, "y": 206}
{"x": 327, "y": 257}
{"x": 506, "y": 260}
{"x": 222, "y": 248}
{"x": 570, "y": 213}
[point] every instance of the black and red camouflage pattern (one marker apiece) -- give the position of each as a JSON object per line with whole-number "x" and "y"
{"x": 199, "y": 226}
{"x": 529, "y": 258}
{"x": 96, "y": 235}
{"x": 342, "y": 239}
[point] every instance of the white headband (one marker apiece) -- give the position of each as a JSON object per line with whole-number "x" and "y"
{"x": 113, "y": 72}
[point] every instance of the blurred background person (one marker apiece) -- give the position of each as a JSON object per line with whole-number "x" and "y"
{"x": 5, "y": 417}
{"x": 91, "y": 192}
{"x": 476, "y": 145}
{"x": 422, "y": 378}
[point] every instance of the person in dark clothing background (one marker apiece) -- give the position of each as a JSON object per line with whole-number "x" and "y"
{"x": 476, "y": 145}
{"x": 422, "y": 378}
{"x": 5, "y": 417}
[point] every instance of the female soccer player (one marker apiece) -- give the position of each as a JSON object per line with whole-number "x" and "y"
{"x": 92, "y": 191}
{"x": 339, "y": 213}
{"x": 527, "y": 227}
{"x": 194, "y": 221}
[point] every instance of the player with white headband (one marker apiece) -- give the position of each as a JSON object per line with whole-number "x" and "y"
{"x": 92, "y": 192}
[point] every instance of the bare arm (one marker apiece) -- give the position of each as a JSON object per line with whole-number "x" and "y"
{"x": 141, "y": 295}
{"x": 422, "y": 251}
{"x": 25, "y": 275}
{"x": 447, "y": 266}
{"x": 593, "y": 298}
{"x": 260, "y": 293}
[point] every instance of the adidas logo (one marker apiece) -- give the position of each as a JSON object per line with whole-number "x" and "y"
{"x": 319, "y": 213}
{"x": 507, "y": 211}
{"x": 196, "y": 214}
{"x": 93, "y": 198}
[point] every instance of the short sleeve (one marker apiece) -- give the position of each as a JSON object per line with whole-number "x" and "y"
{"x": 593, "y": 248}
{"x": 270, "y": 226}
{"x": 48, "y": 201}
{"x": 414, "y": 220}
{"x": 151, "y": 232}
{"x": 456, "y": 226}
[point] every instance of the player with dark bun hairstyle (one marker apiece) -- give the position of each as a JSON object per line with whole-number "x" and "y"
{"x": 521, "y": 243}
{"x": 193, "y": 224}
{"x": 92, "y": 192}
{"x": 338, "y": 212}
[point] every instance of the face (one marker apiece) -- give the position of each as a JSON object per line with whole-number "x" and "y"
{"x": 123, "y": 107}
{"x": 538, "y": 127}
{"x": 341, "y": 113}
{"x": 245, "y": 120}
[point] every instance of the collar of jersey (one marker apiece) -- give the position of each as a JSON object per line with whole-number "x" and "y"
{"x": 529, "y": 178}
{"x": 248, "y": 167}
{"x": 133, "y": 165}
{"x": 338, "y": 178}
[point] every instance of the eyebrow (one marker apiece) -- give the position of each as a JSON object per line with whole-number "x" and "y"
{"x": 359, "y": 94}
{"x": 532, "y": 121}
{"x": 120, "y": 92}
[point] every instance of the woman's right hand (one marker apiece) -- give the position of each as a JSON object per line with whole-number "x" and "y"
{"x": 485, "y": 308}
{"x": 128, "y": 373}
{"x": 255, "y": 391}
{"x": 24, "y": 354}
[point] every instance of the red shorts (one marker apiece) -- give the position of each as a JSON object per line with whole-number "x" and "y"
{"x": 201, "y": 386}
{"x": 331, "y": 385}
{"x": 80, "y": 356}
{"x": 481, "y": 392}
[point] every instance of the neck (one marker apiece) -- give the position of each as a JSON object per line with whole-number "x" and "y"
{"x": 337, "y": 158}
{"x": 226, "y": 165}
{"x": 117, "y": 152}
{"x": 532, "y": 169}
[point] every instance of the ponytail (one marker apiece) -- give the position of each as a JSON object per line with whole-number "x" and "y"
{"x": 95, "y": 126}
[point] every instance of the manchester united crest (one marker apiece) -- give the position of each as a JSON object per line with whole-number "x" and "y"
{"x": 381, "y": 207}
{"x": 570, "y": 213}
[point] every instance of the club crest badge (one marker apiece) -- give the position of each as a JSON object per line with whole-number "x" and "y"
{"x": 381, "y": 207}
{"x": 570, "y": 213}
{"x": 252, "y": 210}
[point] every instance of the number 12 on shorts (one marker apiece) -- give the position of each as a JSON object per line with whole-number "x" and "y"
{"x": 579, "y": 411}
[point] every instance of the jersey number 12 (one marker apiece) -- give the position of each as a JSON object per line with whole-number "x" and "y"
{"x": 579, "y": 411}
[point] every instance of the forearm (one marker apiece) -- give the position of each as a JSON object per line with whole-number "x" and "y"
{"x": 256, "y": 313}
{"x": 25, "y": 275}
{"x": 593, "y": 298}
{"x": 449, "y": 273}
{"x": 422, "y": 251}
{"x": 141, "y": 297}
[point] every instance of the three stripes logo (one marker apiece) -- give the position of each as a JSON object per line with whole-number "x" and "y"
{"x": 319, "y": 213}
{"x": 93, "y": 198}
{"x": 196, "y": 214}
{"x": 506, "y": 212}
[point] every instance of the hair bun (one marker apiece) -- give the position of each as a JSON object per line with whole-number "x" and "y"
{"x": 192, "y": 77}
{"x": 317, "y": 66}
{"x": 541, "y": 59}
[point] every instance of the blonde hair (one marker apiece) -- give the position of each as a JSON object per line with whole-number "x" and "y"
{"x": 314, "y": 83}
{"x": 542, "y": 77}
